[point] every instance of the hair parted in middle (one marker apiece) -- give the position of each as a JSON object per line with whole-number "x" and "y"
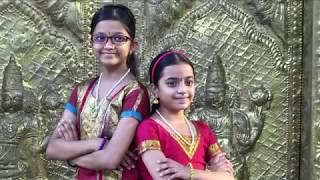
{"x": 164, "y": 59}
{"x": 125, "y": 16}
{"x": 159, "y": 63}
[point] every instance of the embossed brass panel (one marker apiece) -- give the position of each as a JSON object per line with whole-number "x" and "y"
{"x": 248, "y": 60}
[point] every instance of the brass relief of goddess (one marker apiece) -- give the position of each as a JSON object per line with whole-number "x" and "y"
{"x": 237, "y": 130}
{"x": 19, "y": 147}
{"x": 238, "y": 48}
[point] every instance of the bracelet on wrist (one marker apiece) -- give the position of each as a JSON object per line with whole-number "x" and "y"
{"x": 104, "y": 141}
{"x": 192, "y": 173}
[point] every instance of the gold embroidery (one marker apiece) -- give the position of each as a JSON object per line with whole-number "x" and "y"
{"x": 149, "y": 145}
{"x": 133, "y": 89}
{"x": 91, "y": 128}
{"x": 92, "y": 124}
{"x": 138, "y": 101}
{"x": 116, "y": 106}
{"x": 81, "y": 89}
{"x": 189, "y": 150}
{"x": 214, "y": 149}
{"x": 112, "y": 175}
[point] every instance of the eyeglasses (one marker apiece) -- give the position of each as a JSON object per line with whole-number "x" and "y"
{"x": 117, "y": 40}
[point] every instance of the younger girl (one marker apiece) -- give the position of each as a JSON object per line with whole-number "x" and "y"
{"x": 101, "y": 117}
{"x": 170, "y": 146}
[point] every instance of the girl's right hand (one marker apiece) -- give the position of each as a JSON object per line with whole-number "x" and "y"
{"x": 173, "y": 170}
{"x": 67, "y": 130}
{"x": 221, "y": 163}
{"x": 128, "y": 160}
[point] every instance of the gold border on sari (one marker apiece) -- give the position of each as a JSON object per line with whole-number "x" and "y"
{"x": 188, "y": 150}
{"x": 214, "y": 149}
{"x": 112, "y": 175}
{"x": 148, "y": 145}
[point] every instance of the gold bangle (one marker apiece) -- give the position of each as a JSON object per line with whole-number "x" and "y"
{"x": 192, "y": 173}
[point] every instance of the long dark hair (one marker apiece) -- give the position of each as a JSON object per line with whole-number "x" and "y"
{"x": 125, "y": 16}
{"x": 164, "y": 59}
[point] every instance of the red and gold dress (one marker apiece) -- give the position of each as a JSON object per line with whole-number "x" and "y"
{"x": 131, "y": 100}
{"x": 151, "y": 135}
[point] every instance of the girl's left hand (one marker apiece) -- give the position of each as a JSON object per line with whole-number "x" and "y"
{"x": 172, "y": 169}
{"x": 67, "y": 130}
{"x": 221, "y": 163}
{"x": 128, "y": 160}
{"x": 72, "y": 162}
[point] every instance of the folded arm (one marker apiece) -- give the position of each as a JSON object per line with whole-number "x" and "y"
{"x": 161, "y": 168}
{"x": 64, "y": 143}
{"x": 151, "y": 160}
{"x": 220, "y": 168}
{"x": 111, "y": 156}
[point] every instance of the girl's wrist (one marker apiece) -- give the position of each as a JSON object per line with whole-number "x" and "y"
{"x": 71, "y": 164}
{"x": 191, "y": 171}
{"x": 95, "y": 144}
{"x": 103, "y": 143}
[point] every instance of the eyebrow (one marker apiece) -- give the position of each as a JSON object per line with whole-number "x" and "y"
{"x": 175, "y": 78}
{"x": 189, "y": 77}
{"x": 117, "y": 33}
{"x": 113, "y": 33}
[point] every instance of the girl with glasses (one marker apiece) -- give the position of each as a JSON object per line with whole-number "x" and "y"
{"x": 101, "y": 116}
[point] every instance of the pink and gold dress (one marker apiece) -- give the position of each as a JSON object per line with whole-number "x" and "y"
{"x": 131, "y": 100}
{"x": 151, "y": 135}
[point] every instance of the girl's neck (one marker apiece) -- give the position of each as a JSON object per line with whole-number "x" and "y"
{"x": 172, "y": 116}
{"x": 112, "y": 73}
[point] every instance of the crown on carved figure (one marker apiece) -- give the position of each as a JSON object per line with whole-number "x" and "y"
{"x": 12, "y": 76}
{"x": 216, "y": 73}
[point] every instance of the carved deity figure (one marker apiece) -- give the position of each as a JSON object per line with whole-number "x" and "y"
{"x": 19, "y": 156}
{"x": 237, "y": 130}
{"x": 51, "y": 110}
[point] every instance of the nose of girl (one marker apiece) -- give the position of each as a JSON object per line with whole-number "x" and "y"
{"x": 109, "y": 44}
{"x": 181, "y": 89}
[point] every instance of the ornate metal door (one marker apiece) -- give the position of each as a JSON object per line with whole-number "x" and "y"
{"x": 253, "y": 59}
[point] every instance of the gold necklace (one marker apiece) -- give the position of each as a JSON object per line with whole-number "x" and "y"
{"x": 176, "y": 132}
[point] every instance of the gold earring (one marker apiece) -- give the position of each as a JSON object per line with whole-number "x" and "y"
{"x": 155, "y": 101}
